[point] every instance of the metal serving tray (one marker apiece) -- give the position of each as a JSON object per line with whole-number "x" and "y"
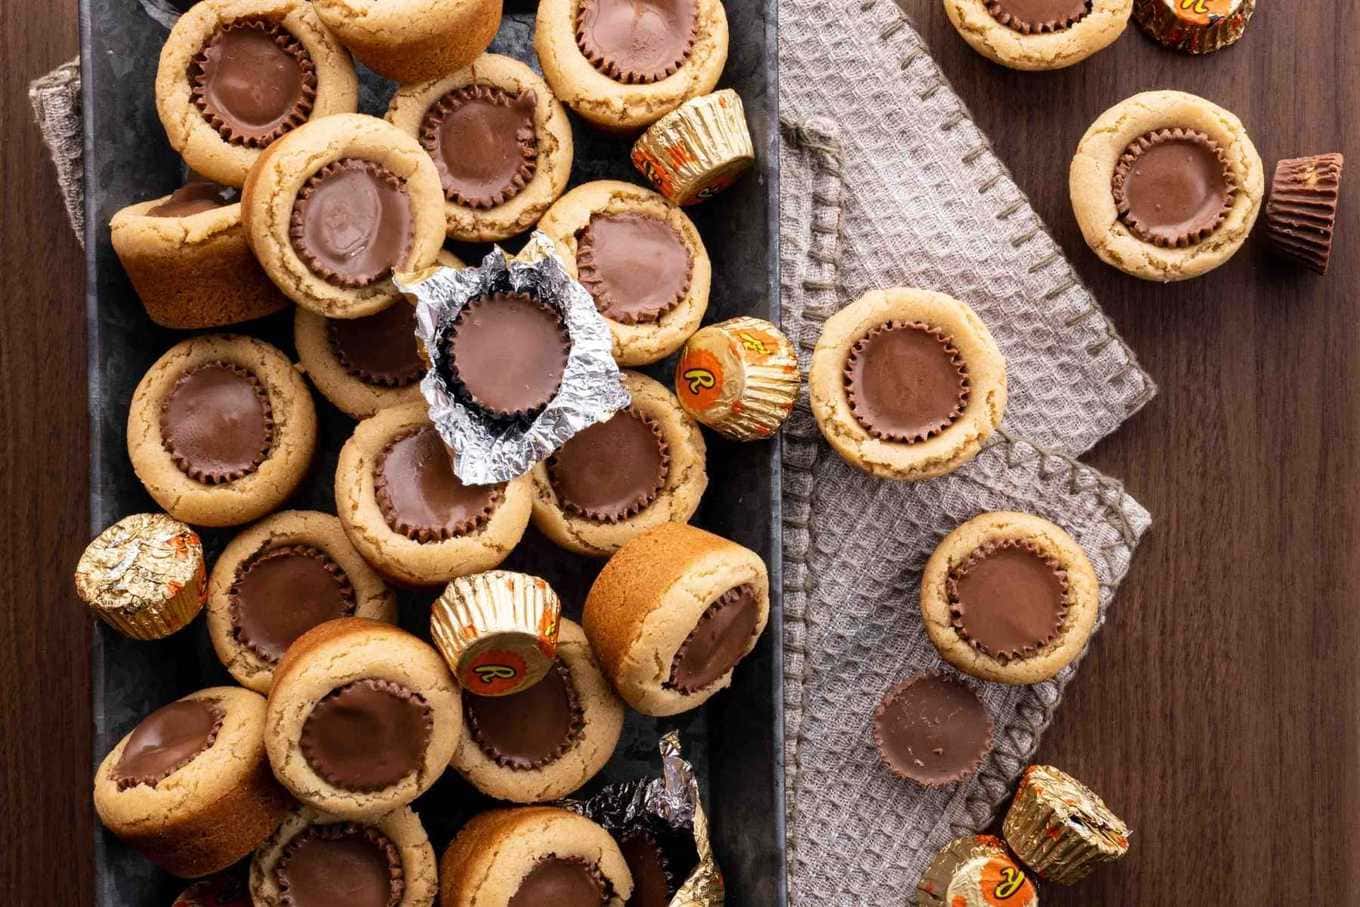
{"x": 736, "y": 741}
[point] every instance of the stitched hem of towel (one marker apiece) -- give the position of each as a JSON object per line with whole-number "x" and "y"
{"x": 56, "y": 106}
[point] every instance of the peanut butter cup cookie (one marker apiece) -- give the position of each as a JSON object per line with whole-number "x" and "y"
{"x": 363, "y": 717}
{"x": 221, "y": 430}
{"x": 410, "y": 41}
{"x": 336, "y": 206}
{"x": 409, "y": 515}
{"x": 642, "y": 260}
{"x": 1166, "y": 186}
{"x": 642, "y": 467}
{"x": 623, "y": 64}
{"x": 190, "y": 787}
{"x": 1009, "y": 597}
{"x": 907, "y": 384}
{"x": 1039, "y": 34}
{"x": 235, "y": 75}
{"x": 499, "y": 139}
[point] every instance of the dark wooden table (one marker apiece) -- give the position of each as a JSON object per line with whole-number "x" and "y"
{"x": 1219, "y": 711}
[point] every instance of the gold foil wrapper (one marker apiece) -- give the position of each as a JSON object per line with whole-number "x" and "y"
{"x": 497, "y": 630}
{"x": 975, "y": 871}
{"x": 704, "y": 887}
{"x": 697, "y": 150}
{"x": 739, "y": 377}
{"x": 1194, "y": 26}
{"x": 144, "y": 575}
{"x": 1060, "y": 828}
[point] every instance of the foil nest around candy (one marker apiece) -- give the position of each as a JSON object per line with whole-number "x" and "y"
{"x": 487, "y": 451}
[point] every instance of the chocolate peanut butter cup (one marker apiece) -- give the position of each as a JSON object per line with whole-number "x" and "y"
{"x": 225, "y": 890}
{"x": 280, "y": 593}
{"x": 1301, "y": 213}
{"x": 253, "y": 81}
{"x": 532, "y": 728}
{"x": 636, "y": 266}
{"x": 352, "y": 222}
{"x": 484, "y": 143}
{"x": 367, "y": 735}
{"x": 562, "y": 882}
{"x": 343, "y": 863}
{"x": 1173, "y": 187}
{"x": 217, "y": 423}
{"x": 637, "y": 42}
{"x": 717, "y": 642}
{"x": 507, "y": 354}
{"x": 379, "y": 349}
{"x": 613, "y": 470}
{"x": 419, "y": 495}
{"x": 932, "y": 729}
{"x": 167, "y": 740}
{"x": 194, "y": 197}
{"x": 906, "y": 382}
{"x": 1008, "y": 599}
{"x": 653, "y": 883}
{"x": 1037, "y": 17}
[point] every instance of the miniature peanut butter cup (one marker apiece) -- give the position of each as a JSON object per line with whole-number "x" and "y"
{"x": 1036, "y": 17}
{"x": 379, "y": 349}
{"x": 167, "y": 740}
{"x": 281, "y": 593}
{"x": 1008, "y": 599}
{"x": 483, "y": 142}
{"x": 194, "y": 197}
{"x": 253, "y": 81}
{"x": 562, "y": 882}
{"x": 932, "y": 729}
{"x": 341, "y": 863}
{"x": 352, "y": 222}
{"x": 1173, "y": 187}
{"x": 367, "y": 735}
{"x": 529, "y": 729}
{"x": 216, "y": 423}
{"x": 906, "y": 382}
{"x": 637, "y": 42}
{"x": 225, "y": 890}
{"x": 1301, "y": 213}
{"x": 637, "y": 267}
{"x": 652, "y": 885}
{"x": 507, "y": 354}
{"x": 419, "y": 495}
{"x": 612, "y": 470}
{"x": 717, "y": 642}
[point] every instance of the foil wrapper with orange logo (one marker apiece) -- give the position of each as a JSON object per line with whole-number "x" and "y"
{"x": 697, "y": 150}
{"x": 975, "y": 871}
{"x": 497, "y": 630}
{"x": 1194, "y": 26}
{"x": 144, "y": 576}
{"x": 1060, "y": 828}
{"x": 739, "y": 377}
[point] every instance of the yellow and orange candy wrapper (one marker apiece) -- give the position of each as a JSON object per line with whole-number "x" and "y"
{"x": 739, "y": 377}
{"x": 1060, "y": 828}
{"x": 144, "y": 575}
{"x": 975, "y": 871}
{"x": 497, "y": 630}
{"x": 1194, "y": 26}
{"x": 697, "y": 150}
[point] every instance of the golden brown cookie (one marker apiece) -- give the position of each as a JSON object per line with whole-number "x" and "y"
{"x": 409, "y": 41}
{"x": 221, "y": 429}
{"x": 1039, "y": 34}
{"x": 501, "y": 142}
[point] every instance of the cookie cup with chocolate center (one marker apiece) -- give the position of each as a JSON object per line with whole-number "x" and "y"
{"x": 408, "y": 41}
{"x": 221, "y": 429}
{"x": 1030, "y": 35}
{"x": 642, "y": 260}
{"x": 501, "y": 142}
{"x": 190, "y": 787}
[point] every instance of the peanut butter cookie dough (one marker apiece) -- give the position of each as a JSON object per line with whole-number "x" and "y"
{"x": 409, "y": 515}
{"x": 530, "y": 857}
{"x": 671, "y": 615}
{"x": 336, "y": 206}
{"x": 363, "y": 718}
{"x": 642, "y": 260}
{"x": 221, "y": 430}
{"x": 413, "y": 40}
{"x": 1039, "y": 34}
{"x": 499, "y": 139}
{"x": 907, "y": 384}
{"x": 316, "y": 860}
{"x": 235, "y": 75}
{"x": 547, "y": 741}
{"x": 1166, "y": 186}
{"x": 277, "y": 580}
{"x": 642, "y": 467}
{"x": 624, "y": 64}
{"x": 1009, "y": 597}
{"x": 190, "y": 787}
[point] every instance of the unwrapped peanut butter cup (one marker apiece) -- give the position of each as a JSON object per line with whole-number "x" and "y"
{"x": 280, "y": 593}
{"x": 612, "y": 470}
{"x": 637, "y": 42}
{"x": 342, "y": 859}
{"x": 697, "y": 150}
{"x": 1301, "y": 213}
{"x": 527, "y": 730}
{"x": 217, "y": 423}
{"x": 1008, "y": 599}
{"x": 253, "y": 81}
{"x": 419, "y": 494}
{"x": 378, "y": 349}
{"x": 352, "y": 223}
{"x": 483, "y": 142}
{"x": 906, "y": 382}
{"x": 717, "y": 642}
{"x": 1038, "y": 17}
{"x": 932, "y": 729}
{"x": 975, "y": 871}
{"x": 226, "y": 889}
{"x": 506, "y": 355}
{"x": 194, "y": 197}
{"x": 739, "y": 377}
{"x": 563, "y": 880}
{"x": 653, "y": 881}
{"x": 636, "y": 266}
{"x": 367, "y": 735}
{"x": 1173, "y": 187}
{"x": 1060, "y": 828}
{"x": 167, "y": 740}
{"x": 1194, "y": 26}
{"x": 144, "y": 575}
{"x": 497, "y": 630}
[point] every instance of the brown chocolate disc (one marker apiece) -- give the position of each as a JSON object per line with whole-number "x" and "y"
{"x": 532, "y": 728}
{"x": 194, "y": 197}
{"x": 932, "y": 729}
{"x": 562, "y": 882}
{"x": 253, "y": 81}
{"x": 1008, "y": 599}
{"x": 906, "y": 382}
{"x": 167, "y": 740}
{"x": 226, "y": 890}
{"x": 419, "y": 495}
{"x": 484, "y": 143}
{"x": 379, "y": 349}
{"x": 1173, "y": 187}
{"x": 507, "y": 354}
{"x": 1034, "y": 17}
{"x": 612, "y": 470}
{"x": 280, "y": 593}
{"x": 216, "y": 423}
{"x": 637, "y": 41}
{"x": 637, "y": 267}
{"x": 367, "y": 735}
{"x": 352, "y": 222}
{"x": 341, "y": 864}
{"x": 647, "y": 863}
{"x": 717, "y": 642}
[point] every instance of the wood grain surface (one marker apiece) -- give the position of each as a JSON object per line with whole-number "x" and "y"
{"x": 1218, "y": 710}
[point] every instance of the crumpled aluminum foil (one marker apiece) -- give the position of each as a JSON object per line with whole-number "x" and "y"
{"x": 486, "y": 451}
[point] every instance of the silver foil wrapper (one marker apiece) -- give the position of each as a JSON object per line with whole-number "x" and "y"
{"x": 488, "y": 451}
